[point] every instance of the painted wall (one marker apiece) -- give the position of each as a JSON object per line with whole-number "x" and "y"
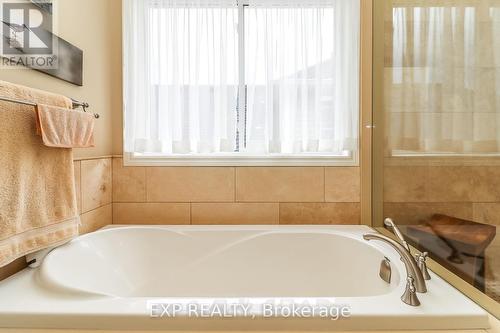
{"x": 95, "y": 27}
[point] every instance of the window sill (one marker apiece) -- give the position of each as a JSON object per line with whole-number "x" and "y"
{"x": 130, "y": 159}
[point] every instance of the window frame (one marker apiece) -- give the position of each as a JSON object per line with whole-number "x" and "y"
{"x": 349, "y": 159}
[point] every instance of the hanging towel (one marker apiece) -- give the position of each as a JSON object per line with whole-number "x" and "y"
{"x": 37, "y": 187}
{"x": 64, "y": 128}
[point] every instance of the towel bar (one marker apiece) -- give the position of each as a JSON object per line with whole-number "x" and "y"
{"x": 76, "y": 104}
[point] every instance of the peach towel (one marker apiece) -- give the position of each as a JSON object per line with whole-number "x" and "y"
{"x": 64, "y": 128}
{"x": 37, "y": 187}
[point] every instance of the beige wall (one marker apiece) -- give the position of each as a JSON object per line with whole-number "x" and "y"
{"x": 95, "y": 27}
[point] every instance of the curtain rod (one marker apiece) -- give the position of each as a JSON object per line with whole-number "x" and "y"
{"x": 76, "y": 104}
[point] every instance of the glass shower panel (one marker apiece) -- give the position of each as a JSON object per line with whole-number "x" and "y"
{"x": 440, "y": 137}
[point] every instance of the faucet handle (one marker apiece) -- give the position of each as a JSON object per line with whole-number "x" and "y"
{"x": 423, "y": 265}
{"x": 410, "y": 295}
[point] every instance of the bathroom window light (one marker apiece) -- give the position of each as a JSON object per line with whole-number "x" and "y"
{"x": 222, "y": 82}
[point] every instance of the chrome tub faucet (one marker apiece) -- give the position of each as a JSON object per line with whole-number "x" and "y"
{"x": 414, "y": 280}
{"x": 420, "y": 259}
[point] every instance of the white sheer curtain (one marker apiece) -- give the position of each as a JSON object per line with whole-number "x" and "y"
{"x": 302, "y": 71}
{"x": 443, "y": 84}
{"x": 194, "y": 85}
{"x": 181, "y": 66}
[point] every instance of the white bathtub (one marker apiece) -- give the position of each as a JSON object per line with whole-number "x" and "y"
{"x": 111, "y": 279}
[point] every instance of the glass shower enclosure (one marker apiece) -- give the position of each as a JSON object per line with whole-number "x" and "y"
{"x": 437, "y": 136}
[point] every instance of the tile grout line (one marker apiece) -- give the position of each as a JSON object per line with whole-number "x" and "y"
{"x": 279, "y": 213}
{"x": 324, "y": 184}
{"x": 112, "y": 187}
{"x": 97, "y": 208}
{"x": 81, "y": 187}
{"x": 146, "y": 184}
{"x": 235, "y": 181}
{"x": 242, "y": 203}
{"x": 191, "y": 213}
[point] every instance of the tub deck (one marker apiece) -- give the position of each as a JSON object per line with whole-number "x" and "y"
{"x": 89, "y": 284}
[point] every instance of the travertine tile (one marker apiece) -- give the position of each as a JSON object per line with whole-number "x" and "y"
{"x": 418, "y": 213}
{"x": 129, "y": 183}
{"x": 320, "y": 213}
{"x": 96, "y": 219}
{"x": 235, "y": 213}
{"x": 190, "y": 184}
{"x": 96, "y": 183}
{"x": 405, "y": 183}
{"x": 78, "y": 185}
{"x": 486, "y": 184}
{"x": 151, "y": 213}
{"x": 280, "y": 184}
{"x": 487, "y": 213}
{"x": 342, "y": 184}
{"x": 449, "y": 184}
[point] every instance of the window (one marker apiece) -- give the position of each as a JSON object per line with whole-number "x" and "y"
{"x": 264, "y": 80}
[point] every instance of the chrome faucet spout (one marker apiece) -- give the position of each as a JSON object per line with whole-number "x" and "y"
{"x": 412, "y": 269}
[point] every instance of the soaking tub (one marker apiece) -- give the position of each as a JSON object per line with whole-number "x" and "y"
{"x": 121, "y": 277}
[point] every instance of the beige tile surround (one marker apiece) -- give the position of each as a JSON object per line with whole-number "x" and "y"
{"x": 235, "y": 195}
{"x": 235, "y": 213}
{"x": 96, "y": 182}
{"x": 413, "y": 192}
{"x": 93, "y": 178}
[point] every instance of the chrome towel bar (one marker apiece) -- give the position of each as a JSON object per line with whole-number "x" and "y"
{"x": 76, "y": 104}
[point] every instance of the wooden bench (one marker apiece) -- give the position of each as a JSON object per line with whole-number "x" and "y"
{"x": 459, "y": 245}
